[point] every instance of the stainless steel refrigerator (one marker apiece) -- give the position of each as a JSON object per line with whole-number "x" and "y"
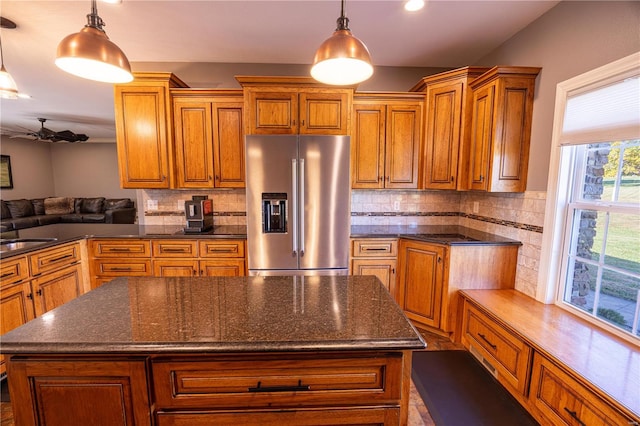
{"x": 298, "y": 204}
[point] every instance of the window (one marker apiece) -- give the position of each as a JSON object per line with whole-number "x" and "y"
{"x": 592, "y": 229}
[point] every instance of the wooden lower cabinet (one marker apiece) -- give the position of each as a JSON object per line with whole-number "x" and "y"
{"x": 56, "y": 289}
{"x": 559, "y": 399}
{"x": 504, "y": 354}
{"x": 376, "y": 256}
{"x": 421, "y": 278}
{"x": 63, "y": 392}
{"x": 289, "y": 388}
{"x": 430, "y": 275}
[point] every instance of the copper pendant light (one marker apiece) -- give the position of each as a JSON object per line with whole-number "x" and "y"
{"x": 342, "y": 59}
{"x": 90, "y": 54}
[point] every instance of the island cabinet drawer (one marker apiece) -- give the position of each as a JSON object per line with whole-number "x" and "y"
{"x": 221, "y": 248}
{"x": 506, "y": 355}
{"x": 13, "y": 270}
{"x": 53, "y": 259}
{"x": 120, "y": 248}
{"x": 271, "y": 383}
{"x": 174, "y": 248}
{"x": 121, "y": 267}
{"x": 306, "y": 417}
{"x": 370, "y": 247}
{"x": 559, "y": 399}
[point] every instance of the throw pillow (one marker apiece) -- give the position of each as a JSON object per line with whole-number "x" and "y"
{"x": 58, "y": 205}
{"x": 20, "y": 208}
{"x": 92, "y": 205}
{"x": 38, "y": 206}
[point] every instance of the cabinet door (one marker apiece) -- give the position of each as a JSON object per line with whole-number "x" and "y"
{"x": 481, "y": 136}
{"x": 403, "y": 135}
{"x": 421, "y": 281}
{"x": 384, "y": 269}
{"x": 228, "y": 143}
{"x": 194, "y": 146}
{"x": 141, "y": 136}
{"x": 175, "y": 268}
{"x": 272, "y": 112}
{"x": 367, "y": 146}
{"x": 324, "y": 112}
{"x": 62, "y": 393}
{"x": 222, "y": 268}
{"x": 442, "y": 138}
{"x": 16, "y": 308}
{"x": 57, "y": 288}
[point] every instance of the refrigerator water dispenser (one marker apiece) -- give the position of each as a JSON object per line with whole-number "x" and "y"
{"x": 274, "y": 213}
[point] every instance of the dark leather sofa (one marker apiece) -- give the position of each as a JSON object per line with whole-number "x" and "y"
{"x": 20, "y": 214}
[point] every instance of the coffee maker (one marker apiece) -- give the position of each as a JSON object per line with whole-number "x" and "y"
{"x": 199, "y": 213}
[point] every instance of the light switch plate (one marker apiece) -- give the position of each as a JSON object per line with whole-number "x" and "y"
{"x": 152, "y": 205}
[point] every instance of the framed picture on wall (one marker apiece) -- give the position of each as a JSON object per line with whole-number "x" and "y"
{"x": 6, "y": 180}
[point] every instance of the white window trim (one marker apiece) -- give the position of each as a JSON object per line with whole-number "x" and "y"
{"x": 561, "y": 180}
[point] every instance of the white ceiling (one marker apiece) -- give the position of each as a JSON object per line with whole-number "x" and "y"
{"x": 443, "y": 34}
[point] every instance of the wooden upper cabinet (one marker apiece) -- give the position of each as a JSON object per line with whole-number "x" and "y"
{"x": 501, "y": 129}
{"x": 448, "y": 118}
{"x": 209, "y": 139}
{"x": 144, "y": 131}
{"x": 295, "y": 105}
{"x": 386, "y": 141}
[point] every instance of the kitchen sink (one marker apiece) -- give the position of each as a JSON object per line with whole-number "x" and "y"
{"x": 23, "y": 243}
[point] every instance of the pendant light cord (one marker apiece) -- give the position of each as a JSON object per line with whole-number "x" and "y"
{"x": 1, "y": 54}
{"x": 343, "y": 21}
{"x": 93, "y": 20}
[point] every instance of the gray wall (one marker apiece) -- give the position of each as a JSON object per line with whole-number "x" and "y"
{"x": 43, "y": 169}
{"x": 570, "y": 39}
{"x": 31, "y": 169}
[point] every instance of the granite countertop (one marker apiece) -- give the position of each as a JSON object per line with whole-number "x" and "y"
{"x": 221, "y": 314}
{"x": 441, "y": 234}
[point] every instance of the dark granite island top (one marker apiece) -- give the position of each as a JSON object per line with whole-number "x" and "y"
{"x": 199, "y": 351}
{"x": 213, "y": 314}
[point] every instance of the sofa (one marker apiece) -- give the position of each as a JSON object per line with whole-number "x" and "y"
{"x": 20, "y": 214}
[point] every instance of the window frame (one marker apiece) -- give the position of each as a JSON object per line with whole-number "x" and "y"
{"x": 561, "y": 182}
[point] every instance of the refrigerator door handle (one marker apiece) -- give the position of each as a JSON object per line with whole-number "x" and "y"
{"x": 294, "y": 207}
{"x": 302, "y": 207}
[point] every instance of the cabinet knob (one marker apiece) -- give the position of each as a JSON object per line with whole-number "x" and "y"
{"x": 30, "y": 296}
{"x": 481, "y": 178}
{"x": 39, "y": 292}
{"x": 439, "y": 259}
{"x": 451, "y": 178}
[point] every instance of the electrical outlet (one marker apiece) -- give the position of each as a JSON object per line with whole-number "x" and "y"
{"x": 476, "y": 206}
{"x": 396, "y": 205}
{"x": 152, "y": 205}
{"x": 180, "y": 204}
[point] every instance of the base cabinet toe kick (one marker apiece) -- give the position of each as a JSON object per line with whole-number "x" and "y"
{"x": 249, "y": 389}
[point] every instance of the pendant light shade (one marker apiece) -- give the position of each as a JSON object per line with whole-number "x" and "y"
{"x": 90, "y": 54}
{"x": 342, "y": 59}
{"x": 8, "y": 87}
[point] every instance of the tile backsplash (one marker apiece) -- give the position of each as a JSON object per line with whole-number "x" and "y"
{"x": 517, "y": 216}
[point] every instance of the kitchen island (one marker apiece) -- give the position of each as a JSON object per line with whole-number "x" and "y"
{"x": 196, "y": 351}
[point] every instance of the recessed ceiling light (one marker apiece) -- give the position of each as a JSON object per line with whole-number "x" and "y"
{"x": 413, "y": 5}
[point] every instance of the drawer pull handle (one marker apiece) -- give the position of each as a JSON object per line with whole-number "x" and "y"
{"x": 574, "y": 415}
{"x": 60, "y": 258}
{"x": 175, "y": 250}
{"x": 221, "y": 250}
{"x": 119, "y": 249}
{"x": 121, "y": 269}
{"x": 299, "y": 387}
{"x": 483, "y": 337}
{"x": 8, "y": 274}
{"x": 374, "y": 249}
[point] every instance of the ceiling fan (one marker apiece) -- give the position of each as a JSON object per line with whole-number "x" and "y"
{"x": 45, "y": 134}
